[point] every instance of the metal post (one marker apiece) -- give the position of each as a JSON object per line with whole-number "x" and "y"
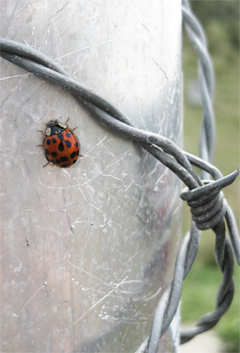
{"x": 88, "y": 251}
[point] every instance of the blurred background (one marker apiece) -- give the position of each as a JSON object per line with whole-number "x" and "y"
{"x": 220, "y": 20}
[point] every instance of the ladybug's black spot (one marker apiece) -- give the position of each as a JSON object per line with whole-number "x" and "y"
{"x": 47, "y": 152}
{"x": 52, "y": 161}
{"x": 61, "y": 147}
{"x": 68, "y": 134}
{"x": 63, "y": 159}
{"x": 60, "y": 136}
{"x": 75, "y": 161}
{"x": 76, "y": 144}
{"x": 57, "y": 161}
{"x": 48, "y": 142}
{"x": 64, "y": 166}
{"x": 54, "y": 154}
{"x": 68, "y": 143}
{"x": 72, "y": 155}
{"x": 54, "y": 140}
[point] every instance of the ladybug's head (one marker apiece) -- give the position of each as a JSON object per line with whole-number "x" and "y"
{"x": 54, "y": 127}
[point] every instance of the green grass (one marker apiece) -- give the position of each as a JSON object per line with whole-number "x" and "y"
{"x": 199, "y": 299}
{"x": 201, "y": 285}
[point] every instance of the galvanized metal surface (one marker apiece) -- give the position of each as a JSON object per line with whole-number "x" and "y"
{"x": 87, "y": 252}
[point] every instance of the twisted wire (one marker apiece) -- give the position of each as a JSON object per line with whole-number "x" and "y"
{"x": 205, "y": 198}
{"x": 206, "y": 83}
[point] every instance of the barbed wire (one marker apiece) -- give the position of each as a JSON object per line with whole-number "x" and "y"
{"x": 206, "y": 200}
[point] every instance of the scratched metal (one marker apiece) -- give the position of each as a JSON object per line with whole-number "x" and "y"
{"x": 88, "y": 251}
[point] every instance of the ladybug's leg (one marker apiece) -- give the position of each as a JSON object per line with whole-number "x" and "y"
{"x": 46, "y": 164}
{"x": 42, "y": 132}
{"x": 74, "y": 129}
{"x": 67, "y": 121}
{"x": 52, "y": 121}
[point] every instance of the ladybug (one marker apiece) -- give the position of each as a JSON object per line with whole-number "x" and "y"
{"x": 60, "y": 144}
